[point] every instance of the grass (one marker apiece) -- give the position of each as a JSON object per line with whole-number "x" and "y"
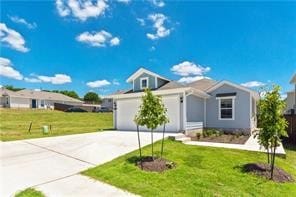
{"x": 14, "y": 123}
{"x": 200, "y": 171}
{"x": 30, "y": 192}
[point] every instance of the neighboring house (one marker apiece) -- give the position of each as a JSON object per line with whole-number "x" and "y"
{"x": 107, "y": 102}
{"x": 33, "y": 99}
{"x": 291, "y": 96}
{"x": 202, "y": 104}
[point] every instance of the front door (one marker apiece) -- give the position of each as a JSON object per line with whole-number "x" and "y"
{"x": 34, "y": 103}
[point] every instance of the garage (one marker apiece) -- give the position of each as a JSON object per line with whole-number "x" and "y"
{"x": 128, "y": 108}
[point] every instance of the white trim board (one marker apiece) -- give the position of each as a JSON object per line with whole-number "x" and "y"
{"x": 233, "y": 107}
{"x": 140, "y": 72}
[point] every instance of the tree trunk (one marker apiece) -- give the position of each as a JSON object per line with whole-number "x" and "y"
{"x": 268, "y": 157}
{"x": 272, "y": 161}
{"x": 152, "y": 144}
{"x": 139, "y": 142}
{"x": 161, "y": 152}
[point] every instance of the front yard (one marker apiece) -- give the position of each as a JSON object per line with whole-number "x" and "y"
{"x": 200, "y": 171}
{"x": 14, "y": 123}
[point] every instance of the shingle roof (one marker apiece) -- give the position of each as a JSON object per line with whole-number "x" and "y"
{"x": 4, "y": 91}
{"x": 171, "y": 85}
{"x": 202, "y": 84}
{"x": 39, "y": 95}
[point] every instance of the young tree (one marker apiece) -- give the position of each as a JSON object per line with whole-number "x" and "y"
{"x": 92, "y": 97}
{"x": 152, "y": 113}
{"x": 272, "y": 123}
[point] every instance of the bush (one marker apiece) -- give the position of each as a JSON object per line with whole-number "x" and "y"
{"x": 210, "y": 132}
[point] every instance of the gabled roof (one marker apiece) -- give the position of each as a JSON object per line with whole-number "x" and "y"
{"x": 219, "y": 84}
{"x": 202, "y": 84}
{"x": 141, "y": 71}
{"x": 293, "y": 80}
{"x": 43, "y": 95}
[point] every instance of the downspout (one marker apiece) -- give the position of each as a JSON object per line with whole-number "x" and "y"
{"x": 205, "y": 113}
{"x": 184, "y": 111}
{"x": 295, "y": 97}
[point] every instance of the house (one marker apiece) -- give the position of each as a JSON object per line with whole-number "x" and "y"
{"x": 291, "y": 96}
{"x": 107, "y": 102}
{"x": 201, "y": 104}
{"x": 33, "y": 99}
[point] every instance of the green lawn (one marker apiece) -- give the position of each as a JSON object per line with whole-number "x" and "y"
{"x": 30, "y": 192}
{"x": 14, "y": 123}
{"x": 200, "y": 171}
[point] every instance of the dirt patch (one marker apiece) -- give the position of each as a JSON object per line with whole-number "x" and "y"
{"x": 225, "y": 138}
{"x": 155, "y": 165}
{"x": 260, "y": 169}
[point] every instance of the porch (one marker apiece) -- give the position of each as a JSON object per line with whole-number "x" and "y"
{"x": 193, "y": 125}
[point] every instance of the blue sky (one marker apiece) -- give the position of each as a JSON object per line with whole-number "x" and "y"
{"x": 97, "y": 45}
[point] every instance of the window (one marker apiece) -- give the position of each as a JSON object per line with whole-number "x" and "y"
{"x": 226, "y": 108}
{"x": 42, "y": 103}
{"x": 144, "y": 83}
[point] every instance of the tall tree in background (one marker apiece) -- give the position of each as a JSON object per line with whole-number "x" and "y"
{"x": 152, "y": 113}
{"x": 272, "y": 123}
{"x": 92, "y": 97}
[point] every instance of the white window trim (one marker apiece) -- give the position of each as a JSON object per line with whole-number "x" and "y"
{"x": 144, "y": 78}
{"x": 233, "y": 107}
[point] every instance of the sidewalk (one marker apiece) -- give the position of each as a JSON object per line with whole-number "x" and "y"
{"x": 250, "y": 145}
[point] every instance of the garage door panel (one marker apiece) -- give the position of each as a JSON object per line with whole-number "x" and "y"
{"x": 128, "y": 108}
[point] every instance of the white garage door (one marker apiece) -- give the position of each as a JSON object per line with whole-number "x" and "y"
{"x": 128, "y": 108}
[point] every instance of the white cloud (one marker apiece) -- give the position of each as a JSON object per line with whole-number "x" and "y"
{"x": 81, "y": 9}
{"x": 7, "y": 70}
{"x": 32, "y": 80}
{"x": 253, "y": 84}
{"x": 158, "y": 3}
{"x": 11, "y": 37}
{"x": 187, "y": 68}
{"x": 158, "y": 24}
{"x": 98, "y": 83}
{"x": 56, "y": 79}
{"x": 114, "y": 41}
{"x": 115, "y": 82}
{"x": 141, "y": 21}
{"x": 98, "y": 39}
{"x": 19, "y": 20}
{"x": 191, "y": 79}
{"x": 124, "y": 1}
{"x": 152, "y": 48}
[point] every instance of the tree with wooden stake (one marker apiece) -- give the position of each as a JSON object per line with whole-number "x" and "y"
{"x": 272, "y": 123}
{"x": 152, "y": 113}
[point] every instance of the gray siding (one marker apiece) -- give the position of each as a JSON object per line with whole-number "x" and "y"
{"x": 195, "y": 109}
{"x": 161, "y": 82}
{"x": 151, "y": 82}
{"x": 242, "y": 110}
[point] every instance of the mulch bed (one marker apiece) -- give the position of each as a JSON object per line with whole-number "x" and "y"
{"x": 155, "y": 165}
{"x": 260, "y": 169}
{"x": 232, "y": 139}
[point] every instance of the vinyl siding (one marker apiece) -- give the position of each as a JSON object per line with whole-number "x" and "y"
{"x": 194, "y": 109}
{"x": 151, "y": 82}
{"x": 241, "y": 109}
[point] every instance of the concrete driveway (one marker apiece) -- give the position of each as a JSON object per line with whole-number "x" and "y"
{"x": 52, "y": 164}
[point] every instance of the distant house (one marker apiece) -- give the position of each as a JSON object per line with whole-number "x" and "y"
{"x": 201, "y": 104}
{"x": 33, "y": 99}
{"x": 107, "y": 102}
{"x": 291, "y": 96}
